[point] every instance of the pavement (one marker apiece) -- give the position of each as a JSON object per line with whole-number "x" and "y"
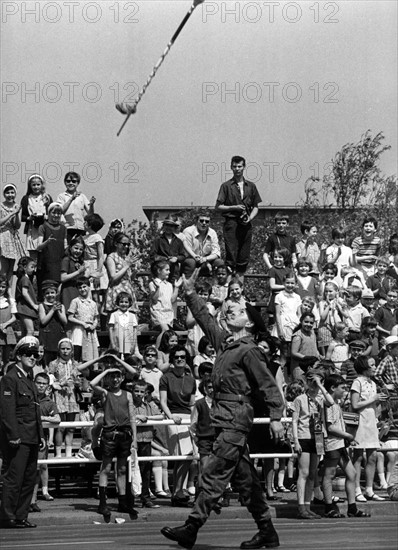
{"x": 77, "y": 510}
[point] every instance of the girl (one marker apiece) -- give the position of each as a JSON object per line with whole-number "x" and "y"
{"x": 25, "y": 295}
{"x": 123, "y": 327}
{"x": 331, "y": 312}
{"x": 168, "y": 341}
{"x": 118, "y": 265}
{"x": 287, "y": 303}
{"x": 162, "y": 295}
{"x": 53, "y": 321}
{"x": 11, "y": 248}
{"x": 233, "y": 305}
{"x": 338, "y": 253}
{"x": 72, "y": 268}
{"x": 303, "y": 343}
{"x": 309, "y": 305}
{"x": 51, "y": 245}
{"x": 34, "y": 207}
{"x": 219, "y": 290}
{"x": 94, "y": 256}
{"x": 66, "y": 379}
{"x": 338, "y": 348}
{"x": 329, "y": 275}
{"x": 83, "y": 316}
{"x": 8, "y": 310}
{"x": 116, "y": 226}
{"x": 292, "y": 390}
{"x": 370, "y": 335}
{"x": 206, "y": 353}
{"x": 307, "y": 426}
{"x": 364, "y": 400}
{"x": 306, "y": 285}
{"x": 281, "y": 258}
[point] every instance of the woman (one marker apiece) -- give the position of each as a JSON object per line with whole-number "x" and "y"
{"x": 177, "y": 396}
{"x": 364, "y": 400}
{"x": 118, "y": 265}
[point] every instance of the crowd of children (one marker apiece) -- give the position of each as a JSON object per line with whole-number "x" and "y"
{"x": 333, "y": 335}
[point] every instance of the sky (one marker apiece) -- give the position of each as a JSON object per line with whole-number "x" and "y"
{"x": 284, "y": 84}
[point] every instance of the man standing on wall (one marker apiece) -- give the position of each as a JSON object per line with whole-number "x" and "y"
{"x": 238, "y": 201}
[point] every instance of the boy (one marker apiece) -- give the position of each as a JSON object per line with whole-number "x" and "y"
{"x": 219, "y": 291}
{"x": 336, "y": 452}
{"x": 380, "y": 283}
{"x": 75, "y": 206}
{"x": 387, "y": 370}
{"x": 49, "y": 413}
{"x": 356, "y": 348}
{"x": 83, "y": 315}
{"x": 387, "y": 315}
{"x": 307, "y": 248}
{"x": 355, "y": 312}
{"x": 119, "y": 434}
{"x": 366, "y": 247}
{"x": 144, "y": 411}
{"x": 149, "y": 371}
{"x": 280, "y": 239}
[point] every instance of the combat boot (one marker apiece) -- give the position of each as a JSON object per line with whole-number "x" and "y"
{"x": 267, "y": 537}
{"x": 126, "y": 506}
{"x": 102, "y": 507}
{"x": 184, "y": 535}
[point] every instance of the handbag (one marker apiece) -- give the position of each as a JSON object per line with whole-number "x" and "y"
{"x": 351, "y": 418}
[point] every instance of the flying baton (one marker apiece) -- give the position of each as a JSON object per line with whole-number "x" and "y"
{"x": 129, "y": 110}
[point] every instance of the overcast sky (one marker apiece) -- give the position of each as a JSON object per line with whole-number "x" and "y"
{"x": 284, "y": 84}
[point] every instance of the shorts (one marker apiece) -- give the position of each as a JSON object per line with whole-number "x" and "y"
{"x": 308, "y": 446}
{"x": 205, "y": 446}
{"x": 335, "y": 457}
{"x": 116, "y": 444}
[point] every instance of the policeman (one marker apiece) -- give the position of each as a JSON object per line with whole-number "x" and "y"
{"x": 21, "y": 435}
{"x": 240, "y": 373}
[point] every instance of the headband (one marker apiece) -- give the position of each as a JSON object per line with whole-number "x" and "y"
{"x": 9, "y": 185}
{"x": 35, "y": 176}
{"x": 54, "y": 205}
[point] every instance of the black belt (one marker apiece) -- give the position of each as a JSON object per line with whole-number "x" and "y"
{"x": 232, "y": 397}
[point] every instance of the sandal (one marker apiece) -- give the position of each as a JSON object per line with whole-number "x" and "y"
{"x": 360, "y": 498}
{"x": 47, "y": 496}
{"x": 334, "y": 514}
{"x": 358, "y": 514}
{"x": 282, "y": 489}
{"x": 374, "y": 497}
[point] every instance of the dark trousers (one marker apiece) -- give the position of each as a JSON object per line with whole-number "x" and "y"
{"x": 190, "y": 264}
{"x": 18, "y": 481}
{"x": 144, "y": 449}
{"x": 237, "y": 239}
{"x": 229, "y": 461}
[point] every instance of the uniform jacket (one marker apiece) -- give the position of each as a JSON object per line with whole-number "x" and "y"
{"x": 20, "y": 416}
{"x": 240, "y": 369}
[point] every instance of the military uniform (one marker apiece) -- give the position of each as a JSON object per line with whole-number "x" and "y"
{"x": 19, "y": 419}
{"x": 240, "y": 373}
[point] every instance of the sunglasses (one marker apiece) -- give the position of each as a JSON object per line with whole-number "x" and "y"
{"x": 150, "y": 355}
{"x": 125, "y": 244}
{"x": 180, "y": 357}
{"x": 34, "y": 354}
{"x": 204, "y": 221}
{"x": 71, "y": 181}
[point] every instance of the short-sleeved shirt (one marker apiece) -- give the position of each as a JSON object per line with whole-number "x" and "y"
{"x": 74, "y": 216}
{"x": 386, "y": 317}
{"x": 152, "y": 376}
{"x": 364, "y": 247}
{"x": 303, "y": 409}
{"x": 334, "y": 417}
{"x": 145, "y": 431}
{"x": 179, "y": 388}
{"x": 91, "y": 242}
{"x": 230, "y": 195}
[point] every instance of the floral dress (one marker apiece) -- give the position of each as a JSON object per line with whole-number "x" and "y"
{"x": 122, "y": 285}
{"x": 10, "y": 243}
{"x": 66, "y": 374}
{"x": 367, "y": 434}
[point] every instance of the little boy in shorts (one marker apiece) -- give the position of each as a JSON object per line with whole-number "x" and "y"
{"x": 119, "y": 434}
{"x": 336, "y": 452}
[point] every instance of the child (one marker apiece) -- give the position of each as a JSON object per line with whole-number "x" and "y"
{"x": 49, "y": 413}
{"x": 338, "y": 348}
{"x": 368, "y": 301}
{"x": 75, "y": 205}
{"x": 66, "y": 380}
{"x": 355, "y": 349}
{"x": 309, "y": 305}
{"x": 123, "y": 327}
{"x": 353, "y": 277}
{"x": 8, "y": 309}
{"x": 280, "y": 239}
{"x": 338, "y": 253}
{"x": 149, "y": 371}
{"x": 53, "y": 320}
{"x": 116, "y": 226}
{"x": 34, "y": 207}
{"x": 292, "y": 390}
{"x": 370, "y": 336}
{"x": 195, "y": 333}
{"x": 144, "y": 411}
{"x": 307, "y": 248}
{"x": 380, "y": 283}
{"x": 94, "y": 256}
{"x": 355, "y": 312}
{"x": 307, "y": 432}
{"x": 219, "y": 291}
{"x": 332, "y": 310}
{"x": 10, "y": 245}
{"x": 206, "y": 354}
{"x": 72, "y": 268}
{"x": 303, "y": 343}
{"x": 366, "y": 248}
{"x": 162, "y": 295}
{"x": 119, "y": 434}
{"x": 281, "y": 259}
{"x": 387, "y": 315}
{"x": 83, "y": 315}
{"x": 168, "y": 341}
{"x": 287, "y": 303}
{"x": 25, "y": 295}
{"x": 336, "y": 453}
{"x": 234, "y": 305}
{"x": 329, "y": 275}
{"x": 306, "y": 285}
